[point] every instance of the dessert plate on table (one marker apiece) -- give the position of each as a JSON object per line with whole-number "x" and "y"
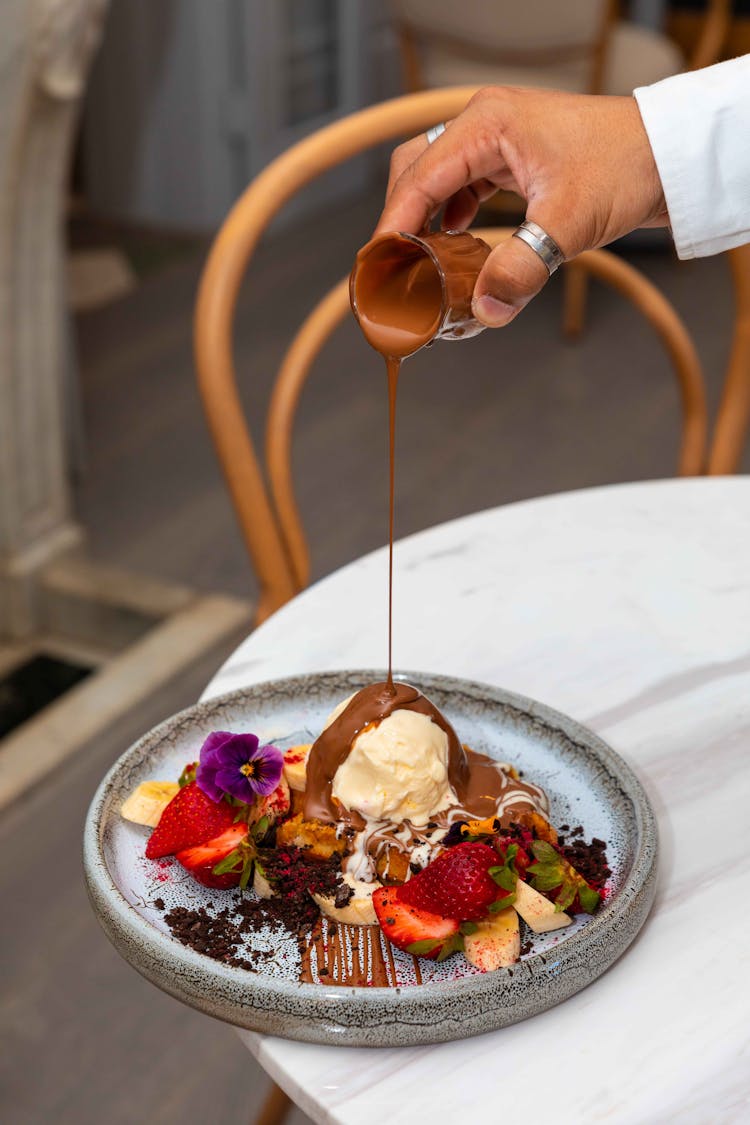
{"x": 587, "y": 784}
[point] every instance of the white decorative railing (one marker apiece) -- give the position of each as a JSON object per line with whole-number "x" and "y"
{"x": 45, "y": 50}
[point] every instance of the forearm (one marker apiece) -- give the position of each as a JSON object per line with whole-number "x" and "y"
{"x": 698, "y": 125}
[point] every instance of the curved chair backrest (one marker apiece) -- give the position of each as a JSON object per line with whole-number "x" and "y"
{"x": 270, "y": 521}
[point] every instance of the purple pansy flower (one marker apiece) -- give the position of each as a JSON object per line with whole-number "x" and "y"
{"x": 237, "y": 765}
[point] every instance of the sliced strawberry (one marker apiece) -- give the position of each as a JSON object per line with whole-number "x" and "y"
{"x": 415, "y": 931}
{"x": 457, "y": 884}
{"x": 201, "y": 859}
{"x": 190, "y": 818}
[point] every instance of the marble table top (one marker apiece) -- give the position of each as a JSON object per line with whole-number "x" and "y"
{"x": 627, "y": 607}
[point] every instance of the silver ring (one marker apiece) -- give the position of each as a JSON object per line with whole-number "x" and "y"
{"x": 540, "y": 242}
{"x": 435, "y": 132}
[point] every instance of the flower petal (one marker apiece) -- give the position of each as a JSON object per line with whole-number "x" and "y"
{"x": 270, "y": 764}
{"x": 214, "y": 744}
{"x": 231, "y": 781}
{"x": 240, "y": 749}
{"x": 205, "y": 780}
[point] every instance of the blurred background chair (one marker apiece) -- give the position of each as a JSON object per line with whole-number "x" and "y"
{"x": 580, "y": 45}
{"x": 269, "y": 516}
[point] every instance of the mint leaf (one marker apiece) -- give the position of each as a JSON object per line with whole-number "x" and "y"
{"x": 504, "y": 877}
{"x": 553, "y": 872}
{"x": 589, "y": 898}
{"x": 501, "y": 903}
{"x": 545, "y": 852}
{"x": 451, "y": 946}
{"x": 421, "y": 948}
{"x": 566, "y": 895}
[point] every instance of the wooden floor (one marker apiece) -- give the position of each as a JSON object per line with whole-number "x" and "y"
{"x": 500, "y": 418}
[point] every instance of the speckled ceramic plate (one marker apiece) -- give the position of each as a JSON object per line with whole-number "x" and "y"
{"x": 586, "y": 781}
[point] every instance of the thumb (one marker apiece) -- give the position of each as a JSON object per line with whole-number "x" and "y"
{"x": 512, "y": 274}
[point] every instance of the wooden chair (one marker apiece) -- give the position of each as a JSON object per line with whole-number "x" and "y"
{"x": 269, "y": 517}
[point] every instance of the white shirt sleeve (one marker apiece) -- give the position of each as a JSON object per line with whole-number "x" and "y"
{"x": 698, "y": 125}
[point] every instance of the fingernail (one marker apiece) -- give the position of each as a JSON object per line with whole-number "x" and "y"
{"x": 492, "y": 312}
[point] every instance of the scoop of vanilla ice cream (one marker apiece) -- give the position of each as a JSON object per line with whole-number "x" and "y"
{"x": 397, "y": 770}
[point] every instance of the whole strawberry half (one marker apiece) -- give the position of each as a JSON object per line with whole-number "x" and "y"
{"x": 201, "y": 859}
{"x": 416, "y": 931}
{"x": 457, "y": 884}
{"x": 190, "y": 818}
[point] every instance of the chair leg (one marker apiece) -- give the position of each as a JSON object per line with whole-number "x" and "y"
{"x": 274, "y": 1108}
{"x": 575, "y": 293}
{"x": 733, "y": 420}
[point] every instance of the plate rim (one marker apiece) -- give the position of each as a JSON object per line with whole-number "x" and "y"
{"x": 144, "y": 946}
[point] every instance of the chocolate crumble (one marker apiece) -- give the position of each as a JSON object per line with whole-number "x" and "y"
{"x": 590, "y": 860}
{"x": 344, "y": 894}
{"x": 217, "y": 936}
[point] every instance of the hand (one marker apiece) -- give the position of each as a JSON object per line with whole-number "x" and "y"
{"x": 583, "y": 164}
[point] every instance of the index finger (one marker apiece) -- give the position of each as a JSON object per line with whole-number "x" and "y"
{"x": 401, "y": 158}
{"x": 461, "y": 155}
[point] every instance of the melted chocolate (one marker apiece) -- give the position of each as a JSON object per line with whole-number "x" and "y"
{"x": 482, "y": 789}
{"x": 393, "y": 366}
{"x": 369, "y": 707}
{"x": 356, "y": 956}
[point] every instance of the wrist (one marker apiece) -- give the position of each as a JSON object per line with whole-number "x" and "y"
{"x": 652, "y": 202}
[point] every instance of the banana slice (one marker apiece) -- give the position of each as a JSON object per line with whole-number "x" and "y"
{"x": 295, "y": 766}
{"x": 149, "y": 801}
{"x": 538, "y": 912}
{"x": 261, "y": 886}
{"x": 495, "y": 943}
{"x": 358, "y": 911}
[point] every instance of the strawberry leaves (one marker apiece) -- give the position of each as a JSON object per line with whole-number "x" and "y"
{"x": 241, "y": 861}
{"x": 446, "y": 947}
{"x": 245, "y": 856}
{"x": 552, "y": 873}
{"x": 187, "y": 775}
{"x": 506, "y": 877}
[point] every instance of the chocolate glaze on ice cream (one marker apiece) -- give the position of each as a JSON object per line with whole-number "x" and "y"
{"x": 482, "y": 789}
{"x": 369, "y": 707}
